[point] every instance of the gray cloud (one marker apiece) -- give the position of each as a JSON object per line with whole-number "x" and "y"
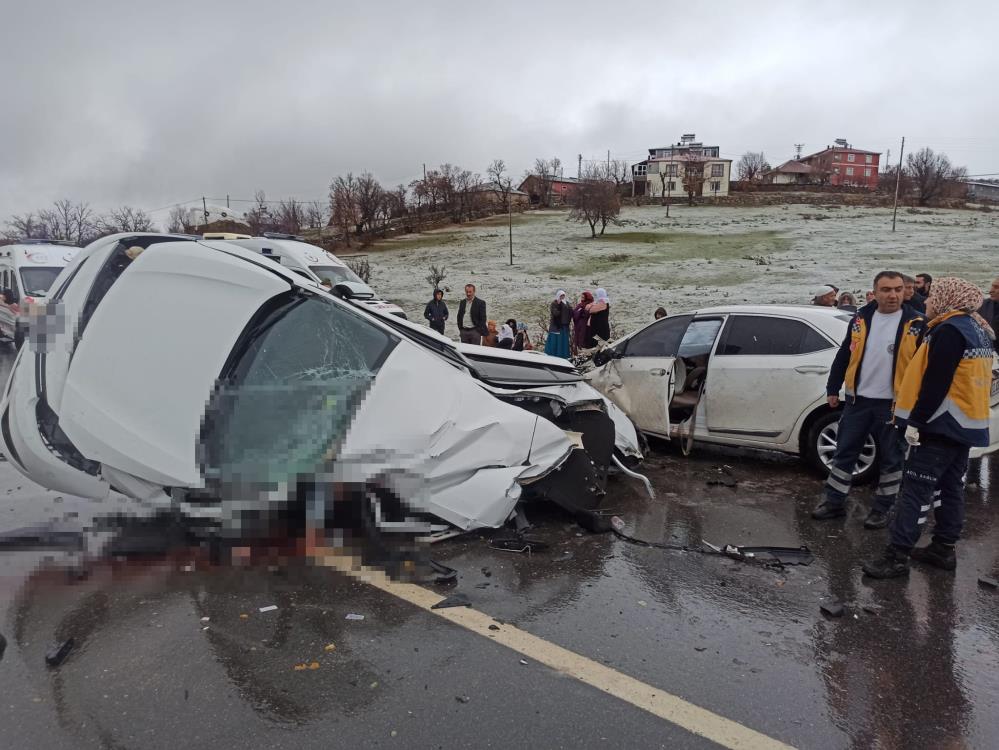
{"x": 151, "y": 103}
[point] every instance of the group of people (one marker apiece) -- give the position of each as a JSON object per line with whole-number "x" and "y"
{"x": 917, "y": 377}
{"x": 580, "y": 326}
{"x": 570, "y": 327}
{"x": 917, "y": 289}
{"x": 473, "y": 326}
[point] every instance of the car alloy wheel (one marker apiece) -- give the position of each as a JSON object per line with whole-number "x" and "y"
{"x": 826, "y": 448}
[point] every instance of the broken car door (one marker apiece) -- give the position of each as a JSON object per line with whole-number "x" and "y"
{"x": 641, "y": 377}
{"x": 766, "y": 370}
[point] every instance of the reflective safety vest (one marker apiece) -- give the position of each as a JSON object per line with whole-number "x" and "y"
{"x": 963, "y": 416}
{"x": 906, "y": 342}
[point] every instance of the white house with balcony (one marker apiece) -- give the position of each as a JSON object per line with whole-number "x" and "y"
{"x": 663, "y": 171}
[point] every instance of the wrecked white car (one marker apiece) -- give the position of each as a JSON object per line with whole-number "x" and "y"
{"x": 751, "y": 376}
{"x": 197, "y": 374}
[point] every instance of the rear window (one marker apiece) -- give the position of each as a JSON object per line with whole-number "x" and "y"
{"x": 38, "y": 280}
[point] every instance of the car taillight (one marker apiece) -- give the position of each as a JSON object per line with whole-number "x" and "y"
{"x": 29, "y": 300}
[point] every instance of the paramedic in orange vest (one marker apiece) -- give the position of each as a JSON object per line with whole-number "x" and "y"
{"x": 879, "y": 344}
{"x": 943, "y": 406}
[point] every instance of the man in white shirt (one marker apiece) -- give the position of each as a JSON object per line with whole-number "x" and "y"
{"x": 881, "y": 340}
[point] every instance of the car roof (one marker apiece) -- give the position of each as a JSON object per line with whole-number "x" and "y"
{"x": 807, "y": 312}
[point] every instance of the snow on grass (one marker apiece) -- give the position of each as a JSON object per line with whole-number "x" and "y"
{"x": 697, "y": 257}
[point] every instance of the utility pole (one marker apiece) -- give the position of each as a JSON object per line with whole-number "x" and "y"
{"x": 669, "y": 181}
{"x": 797, "y": 151}
{"x": 204, "y": 206}
{"x": 509, "y": 210}
{"x": 898, "y": 179}
{"x": 608, "y": 162}
{"x": 579, "y": 167}
{"x": 227, "y": 200}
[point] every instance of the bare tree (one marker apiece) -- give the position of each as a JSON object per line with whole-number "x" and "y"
{"x": 343, "y": 205}
{"x": 436, "y": 275}
{"x": 497, "y": 174}
{"x": 618, "y": 171}
{"x": 752, "y": 165}
{"x": 370, "y": 199}
{"x": 177, "y": 222}
{"x": 361, "y": 267}
{"x": 125, "y": 219}
{"x": 24, "y": 226}
{"x": 317, "y": 214}
{"x": 693, "y": 176}
{"x": 930, "y": 174}
{"x": 667, "y": 174}
{"x": 595, "y": 200}
{"x": 289, "y": 216}
{"x": 260, "y": 218}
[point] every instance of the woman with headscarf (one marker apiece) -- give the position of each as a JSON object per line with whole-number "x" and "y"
{"x": 557, "y": 343}
{"x": 505, "y": 340}
{"x": 943, "y": 404}
{"x": 580, "y": 317}
{"x": 522, "y": 341}
{"x": 599, "y": 320}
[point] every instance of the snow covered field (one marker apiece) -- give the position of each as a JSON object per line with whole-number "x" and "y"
{"x": 699, "y": 256}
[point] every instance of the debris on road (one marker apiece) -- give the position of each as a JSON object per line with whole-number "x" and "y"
{"x": 352, "y": 616}
{"x": 57, "y": 655}
{"x": 833, "y": 609}
{"x": 269, "y": 608}
{"x": 524, "y": 662}
{"x": 455, "y": 600}
{"x": 3, "y": 645}
{"x": 329, "y": 647}
{"x": 518, "y": 544}
{"x": 462, "y": 698}
{"x": 991, "y": 583}
{"x": 494, "y": 627}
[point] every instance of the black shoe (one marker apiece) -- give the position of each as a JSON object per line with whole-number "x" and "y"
{"x": 826, "y": 510}
{"x": 876, "y": 519}
{"x": 936, "y": 554}
{"x": 892, "y": 564}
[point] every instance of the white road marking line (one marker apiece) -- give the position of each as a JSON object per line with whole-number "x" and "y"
{"x": 672, "y": 708}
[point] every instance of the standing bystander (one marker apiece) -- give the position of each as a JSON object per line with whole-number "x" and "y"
{"x": 436, "y": 311}
{"x": 879, "y": 343}
{"x": 990, "y": 308}
{"x": 472, "y": 329}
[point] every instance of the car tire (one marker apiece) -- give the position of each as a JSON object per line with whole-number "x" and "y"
{"x": 820, "y": 443}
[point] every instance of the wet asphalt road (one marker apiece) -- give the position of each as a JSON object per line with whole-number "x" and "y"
{"x": 913, "y": 664}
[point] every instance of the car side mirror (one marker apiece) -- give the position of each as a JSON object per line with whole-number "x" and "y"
{"x": 604, "y": 356}
{"x": 343, "y": 291}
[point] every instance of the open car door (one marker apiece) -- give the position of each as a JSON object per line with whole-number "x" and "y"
{"x": 641, "y": 377}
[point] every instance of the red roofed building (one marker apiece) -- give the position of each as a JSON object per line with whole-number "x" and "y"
{"x": 842, "y": 164}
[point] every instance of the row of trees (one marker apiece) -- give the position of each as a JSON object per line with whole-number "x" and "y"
{"x": 927, "y": 176}
{"x": 75, "y": 222}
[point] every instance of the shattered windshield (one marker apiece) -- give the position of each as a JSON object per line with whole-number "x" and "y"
{"x": 335, "y": 274}
{"x": 293, "y": 392}
{"x": 36, "y": 281}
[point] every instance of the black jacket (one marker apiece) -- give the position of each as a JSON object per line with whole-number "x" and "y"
{"x": 435, "y": 311}
{"x": 918, "y": 303}
{"x": 477, "y": 317}
{"x": 560, "y": 316}
{"x": 990, "y": 311}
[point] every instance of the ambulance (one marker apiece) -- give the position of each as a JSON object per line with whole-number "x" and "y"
{"x": 27, "y": 269}
{"x": 319, "y": 266}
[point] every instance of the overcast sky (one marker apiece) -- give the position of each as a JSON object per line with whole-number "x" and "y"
{"x": 154, "y": 103}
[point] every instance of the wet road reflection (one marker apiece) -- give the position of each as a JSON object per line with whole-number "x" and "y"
{"x": 912, "y": 664}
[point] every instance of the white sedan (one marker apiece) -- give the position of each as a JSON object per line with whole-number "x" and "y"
{"x": 749, "y": 376}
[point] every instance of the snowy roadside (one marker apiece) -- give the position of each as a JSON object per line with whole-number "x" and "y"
{"x": 699, "y": 256}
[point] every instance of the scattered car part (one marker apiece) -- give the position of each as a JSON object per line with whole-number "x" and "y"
{"x": 991, "y": 583}
{"x": 54, "y": 535}
{"x": 635, "y": 475}
{"x": 58, "y": 653}
{"x": 833, "y": 609}
{"x": 455, "y": 600}
{"x": 519, "y": 543}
